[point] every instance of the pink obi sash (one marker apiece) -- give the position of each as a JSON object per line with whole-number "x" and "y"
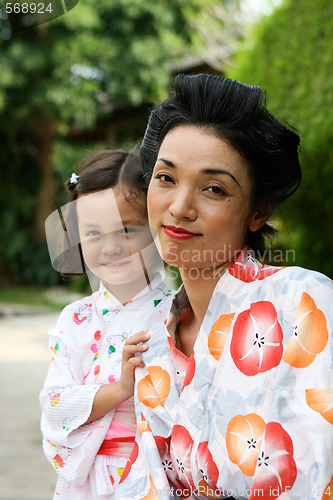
{"x": 120, "y": 437}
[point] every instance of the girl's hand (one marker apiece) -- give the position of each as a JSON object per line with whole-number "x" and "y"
{"x": 130, "y": 361}
{"x": 109, "y": 396}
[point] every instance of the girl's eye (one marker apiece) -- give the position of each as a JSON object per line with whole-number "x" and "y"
{"x": 93, "y": 233}
{"x": 164, "y": 178}
{"x": 216, "y": 190}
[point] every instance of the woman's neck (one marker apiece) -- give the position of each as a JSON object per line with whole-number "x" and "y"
{"x": 199, "y": 285}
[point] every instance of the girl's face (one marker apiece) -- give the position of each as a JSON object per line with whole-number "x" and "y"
{"x": 199, "y": 199}
{"x": 114, "y": 236}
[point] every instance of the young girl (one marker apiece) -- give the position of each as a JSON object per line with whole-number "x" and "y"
{"x": 88, "y": 420}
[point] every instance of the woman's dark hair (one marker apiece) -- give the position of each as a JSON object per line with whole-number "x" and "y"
{"x": 102, "y": 170}
{"x": 237, "y": 113}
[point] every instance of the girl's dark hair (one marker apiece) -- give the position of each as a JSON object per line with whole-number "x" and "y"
{"x": 237, "y": 113}
{"x": 102, "y": 170}
{"x": 106, "y": 169}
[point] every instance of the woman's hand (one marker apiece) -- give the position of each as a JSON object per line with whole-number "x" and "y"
{"x": 130, "y": 361}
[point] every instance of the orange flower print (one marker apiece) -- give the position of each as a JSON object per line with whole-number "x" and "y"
{"x": 256, "y": 344}
{"x": 154, "y": 388}
{"x": 328, "y": 491}
{"x": 276, "y": 468}
{"x": 143, "y": 426}
{"x": 243, "y": 441}
{"x": 321, "y": 400}
{"x": 310, "y": 334}
{"x": 218, "y": 335}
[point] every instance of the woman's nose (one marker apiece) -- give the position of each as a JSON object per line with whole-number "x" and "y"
{"x": 182, "y": 205}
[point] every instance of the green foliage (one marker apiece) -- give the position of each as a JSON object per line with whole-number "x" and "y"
{"x": 69, "y": 73}
{"x": 97, "y": 48}
{"x": 290, "y": 56}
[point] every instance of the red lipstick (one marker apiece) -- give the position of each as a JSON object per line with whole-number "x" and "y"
{"x": 178, "y": 233}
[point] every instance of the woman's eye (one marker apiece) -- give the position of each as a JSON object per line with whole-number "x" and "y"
{"x": 216, "y": 190}
{"x": 164, "y": 178}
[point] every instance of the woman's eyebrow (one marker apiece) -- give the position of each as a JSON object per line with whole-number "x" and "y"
{"x": 209, "y": 171}
{"x": 213, "y": 171}
{"x": 167, "y": 162}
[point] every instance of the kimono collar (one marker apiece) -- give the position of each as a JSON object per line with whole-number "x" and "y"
{"x": 245, "y": 268}
{"x": 106, "y": 301}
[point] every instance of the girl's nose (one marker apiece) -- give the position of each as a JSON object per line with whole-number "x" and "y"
{"x": 182, "y": 205}
{"x": 112, "y": 245}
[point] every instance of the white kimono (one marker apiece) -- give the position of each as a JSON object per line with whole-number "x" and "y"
{"x": 86, "y": 347}
{"x": 250, "y": 414}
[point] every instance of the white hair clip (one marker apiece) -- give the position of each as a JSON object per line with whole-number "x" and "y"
{"x": 74, "y": 179}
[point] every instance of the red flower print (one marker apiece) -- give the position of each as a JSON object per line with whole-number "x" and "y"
{"x": 276, "y": 469}
{"x": 78, "y": 319}
{"x": 321, "y": 400}
{"x": 208, "y": 468}
{"x": 182, "y": 363}
{"x": 256, "y": 344}
{"x": 246, "y": 268}
{"x": 243, "y": 441}
{"x": 97, "y": 370}
{"x": 190, "y": 371}
{"x": 58, "y": 461}
{"x": 97, "y": 335}
{"x": 132, "y": 458}
{"x": 94, "y": 348}
{"x": 163, "y": 446}
{"x": 180, "y": 451}
{"x": 310, "y": 334}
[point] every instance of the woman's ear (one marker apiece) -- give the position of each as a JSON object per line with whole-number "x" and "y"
{"x": 260, "y": 217}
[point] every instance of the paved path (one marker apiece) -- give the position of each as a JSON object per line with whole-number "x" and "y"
{"x": 25, "y": 473}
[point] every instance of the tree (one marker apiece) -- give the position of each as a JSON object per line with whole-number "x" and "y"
{"x": 66, "y": 73}
{"x": 289, "y": 54}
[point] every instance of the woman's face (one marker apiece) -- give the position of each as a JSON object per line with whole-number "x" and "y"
{"x": 199, "y": 199}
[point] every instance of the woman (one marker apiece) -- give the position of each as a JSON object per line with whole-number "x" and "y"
{"x": 236, "y": 393}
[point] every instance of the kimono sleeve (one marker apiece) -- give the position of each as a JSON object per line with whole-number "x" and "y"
{"x": 69, "y": 444}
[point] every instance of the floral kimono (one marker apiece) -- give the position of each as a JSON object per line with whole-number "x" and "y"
{"x": 250, "y": 414}
{"x": 86, "y": 347}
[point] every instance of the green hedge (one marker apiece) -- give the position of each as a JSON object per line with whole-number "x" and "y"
{"x": 290, "y": 55}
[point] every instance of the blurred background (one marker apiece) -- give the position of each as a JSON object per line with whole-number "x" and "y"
{"x": 87, "y": 81}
